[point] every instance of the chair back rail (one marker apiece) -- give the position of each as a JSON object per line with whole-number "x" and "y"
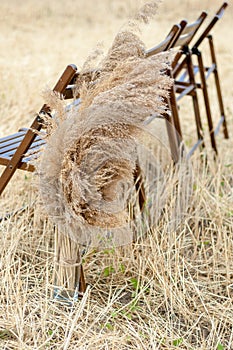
{"x": 166, "y": 44}
{"x": 215, "y": 19}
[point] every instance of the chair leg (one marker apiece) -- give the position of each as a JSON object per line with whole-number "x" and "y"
{"x": 218, "y": 87}
{"x": 82, "y": 282}
{"x": 173, "y": 141}
{"x": 25, "y": 144}
{"x": 139, "y": 186}
{"x": 206, "y": 100}
{"x": 196, "y": 107}
{"x": 175, "y": 114}
{"x": 174, "y": 128}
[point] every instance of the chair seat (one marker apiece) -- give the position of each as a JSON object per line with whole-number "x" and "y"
{"x": 9, "y": 145}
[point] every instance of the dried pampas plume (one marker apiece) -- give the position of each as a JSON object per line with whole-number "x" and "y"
{"x": 87, "y": 169}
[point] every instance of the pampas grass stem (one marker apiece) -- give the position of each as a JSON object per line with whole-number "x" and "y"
{"x": 67, "y": 269}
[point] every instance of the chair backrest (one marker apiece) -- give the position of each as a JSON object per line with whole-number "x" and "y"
{"x": 206, "y": 32}
{"x": 179, "y": 36}
{"x": 189, "y": 30}
{"x": 167, "y": 43}
{"x": 186, "y": 36}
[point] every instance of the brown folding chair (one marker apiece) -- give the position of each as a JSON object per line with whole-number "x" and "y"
{"x": 18, "y": 150}
{"x": 172, "y": 121}
{"x": 180, "y": 43}
{"x": 182, "y": 90}
{"x": 204, "y": 73}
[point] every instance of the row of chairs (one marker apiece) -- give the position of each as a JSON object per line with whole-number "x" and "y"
{"x": 184, "y": 71}
{"x": 17, "y": 150}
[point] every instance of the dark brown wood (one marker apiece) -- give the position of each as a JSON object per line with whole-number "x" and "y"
{"x": 139, "y": 186}
{"x": 207, "y": 102}
{"x": 204, "y": 73}
{"x": 207, "y": 30}
{"x": 175, "y": 114}
{"x": 166, "y": 44}
{"x": 15, "y": 161}
{"x": 214, "y": 70}
{"x": 82, "y": 282}
{"x": 196, "y": 107}
{"x": 180, "y": 40}
{"x": 183, "y": 40}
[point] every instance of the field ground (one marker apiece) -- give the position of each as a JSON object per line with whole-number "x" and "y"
{"x": 170, "y": 290}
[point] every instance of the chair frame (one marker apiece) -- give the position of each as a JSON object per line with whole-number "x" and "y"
{"x": 181, "y": 41}
{"x": 190, "y": 30}
{"x": 205, "y": 73}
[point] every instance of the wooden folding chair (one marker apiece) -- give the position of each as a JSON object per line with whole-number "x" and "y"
{"x": 204, "y": 73}
{"x": 180, "y": 42}
{"x": 18, "y": 150}
{"x": 172, "y": 121}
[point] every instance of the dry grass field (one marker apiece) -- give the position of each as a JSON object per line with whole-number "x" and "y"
{"x": 170, "y": 290}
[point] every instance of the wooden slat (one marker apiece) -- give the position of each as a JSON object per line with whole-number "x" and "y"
{"x": 35, "y": 144}
{"x": 184, "y": 91}
{"x": 13, "y": 144}
{"x": 164, "y": 45}
{"x": 13, "y": 136}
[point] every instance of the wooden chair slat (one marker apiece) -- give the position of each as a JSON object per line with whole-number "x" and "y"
{"x": 10, "y": 151}
{"x": 166, "y": 43}
{"x": 13, "y": 144}
{"x": 11, "y": 137}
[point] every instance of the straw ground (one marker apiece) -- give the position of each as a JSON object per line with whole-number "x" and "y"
{"x": 169, "y": 290}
